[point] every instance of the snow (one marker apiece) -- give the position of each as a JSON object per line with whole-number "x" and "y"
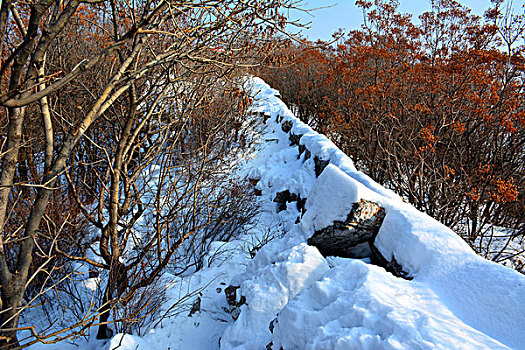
{"x": 298, "y": 299}
{"x": 270, "y": 282}
{"x": 456, "y": 299}
{"x": 357, "y": 306}
{"x": 331, "y": 199}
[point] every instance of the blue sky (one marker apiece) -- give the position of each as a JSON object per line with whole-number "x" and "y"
{"x": 344, "y": 14}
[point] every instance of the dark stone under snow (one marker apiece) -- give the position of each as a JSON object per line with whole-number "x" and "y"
{"x": 284, "y": 197}
{"x": 320, "y": 164}
{"x": 301, "y": 205}
{"x": 360, "y": 226}
{"x": 294, "y": 139}
{"x": 234, "y": 306}
{"x": 287, "y": 126}
{"x": 195, "y": 307}
{"x": 307, "y": 153}
{"x": 354, "y": 237}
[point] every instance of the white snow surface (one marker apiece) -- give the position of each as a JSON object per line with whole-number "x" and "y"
{"x": 456, "y": 300}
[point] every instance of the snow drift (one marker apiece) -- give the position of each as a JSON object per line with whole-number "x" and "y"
{"x": 295, "y": 298}
{"x": 455, "y": 300}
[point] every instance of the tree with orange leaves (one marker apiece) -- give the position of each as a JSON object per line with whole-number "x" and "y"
{"x": 434, "y": 111}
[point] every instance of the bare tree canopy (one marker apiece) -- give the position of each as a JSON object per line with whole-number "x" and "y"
{"x": 100, "y": 100}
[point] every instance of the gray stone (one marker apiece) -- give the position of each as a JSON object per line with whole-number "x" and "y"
{"x": 234, "y": 305}
{"x": 361, "y": 226}
{"x": 287, "y": 126}
{"x": 320, "y": 164}
{"x": 355, "y": 237}
{"x": 284, "y": 197}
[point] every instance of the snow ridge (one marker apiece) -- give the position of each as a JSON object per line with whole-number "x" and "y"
{"x": 456, "y": 299}
{"x": 298, "y": 299}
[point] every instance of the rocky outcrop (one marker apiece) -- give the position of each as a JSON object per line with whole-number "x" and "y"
{"x": 355, "y": 236}
{"x": 234, "y": 308}
{"x": 294, "y": 139}
{"x": 307, "y": 153}
{"x": 320, "y": 164}
{"x": 352, "y": 238}
{"x": 287, "y": 126}
{"x": 284, "y": 197}
{"x": 340, "y": 238}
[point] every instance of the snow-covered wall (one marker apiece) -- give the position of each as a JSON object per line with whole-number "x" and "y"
{"x": 455, "y": 300}
{"x": 296, "y": 298}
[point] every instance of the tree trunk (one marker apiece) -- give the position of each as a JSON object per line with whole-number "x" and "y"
{"x": 11, "y": 301}
{"x": 115, "y": 289}
{"x": 103, "y": 330}
{"x": 10, "y": 283}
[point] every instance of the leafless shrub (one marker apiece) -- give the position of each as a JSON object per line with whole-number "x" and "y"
{"x": 114, "y": 115}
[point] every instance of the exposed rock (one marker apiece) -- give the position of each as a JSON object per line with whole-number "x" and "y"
{"x": 254, "y": 181}
{"x": 234, "y": 306}
{"x": 269, "y": 346}
{"x": 354, "y": 237}
{"x": 231, "y": 295}
{"x": 362, "y": 250}
{"x": 272, "y": 324}
{"x": 254, "y": 250}
{"x": 284, "y": 197}
{"x": 301, "y": 205}
{"x": 287, "y": 126}
{"x": 196, "y": 306}
{"x": 278, "y": 118}
{"x": 266, "y": 116}
{"x": 294, "y": 139}
{"x": 320, "y": 164}
{"x": 391, "y": 266}
{"x": 361, "y": 226}
{"x": 307, "y": 154}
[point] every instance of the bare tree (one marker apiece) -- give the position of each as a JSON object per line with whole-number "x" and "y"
{"x": 123, "y": 60}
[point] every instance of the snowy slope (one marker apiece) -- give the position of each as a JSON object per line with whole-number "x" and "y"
{"x": 455, "y": 301}
{"x": 298, "y": 299}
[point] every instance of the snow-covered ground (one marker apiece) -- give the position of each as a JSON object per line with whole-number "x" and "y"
{"x": 298, "y": 299}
